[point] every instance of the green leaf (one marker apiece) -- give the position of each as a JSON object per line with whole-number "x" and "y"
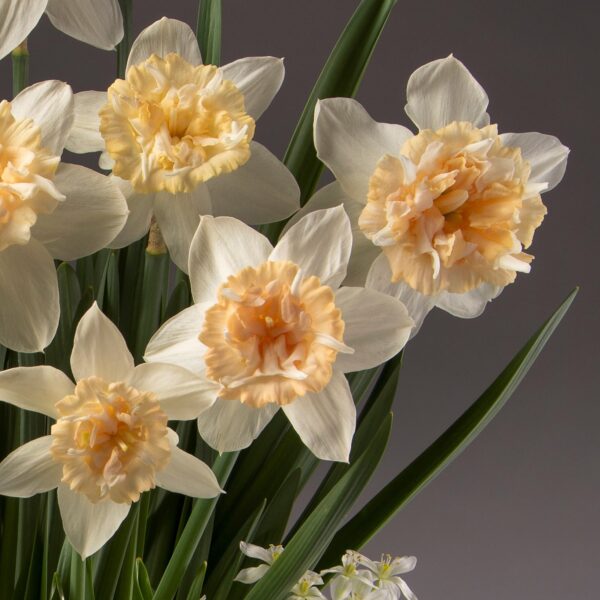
{"x": 113, "y": 288}
{"x": 360, "y": 529}
{"x": 143, "y": 589}
{"x": 179, "y": 300}
{"x": 208, "y": 31}
{"x": 56, "y": 592}
{"x": 195, "y": 592}
{"x": 312, "y": 539}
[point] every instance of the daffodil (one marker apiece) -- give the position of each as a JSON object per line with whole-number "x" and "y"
{"x": 48, "y": 210}
{"x": 110, "y": 442}
{"x": 441, "y": 218}
{"x": 95, "y": 22}
{"x": 271, "y": 329}
{"x": 178, "y": 136}
{"x": 266, "y": 555}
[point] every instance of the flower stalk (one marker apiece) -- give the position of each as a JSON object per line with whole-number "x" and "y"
{"x": 20, "y": 67}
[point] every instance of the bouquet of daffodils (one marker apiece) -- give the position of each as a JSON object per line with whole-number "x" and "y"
{"x": 190, "y": 330}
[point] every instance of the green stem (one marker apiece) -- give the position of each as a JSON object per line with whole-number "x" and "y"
{"x": 125, "y": 44}
{"x": 20, "y": 62}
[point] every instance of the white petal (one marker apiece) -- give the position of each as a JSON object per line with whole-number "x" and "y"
{"x": 326, "y": 421}
{"x": 89, "y": 526}
{"x": 140, "y": 214}
{"x": 221, "y": 247}
{"x": 182, "y": 395}
{"x": 443, "y": 91}
{"x": 261, "y": 191}
{"x": 99, "y": 349}
{"x": 95, "y": 22}
{"x": 177, "y": 343}
{"x": 251, "y": 574}
{"x": 85, "y": 134}
{"x": 546, "y": 155}
{"x": 408, "y": 593}
{"x": 351, "y": 143}
{"x": 162, "y": 38}
{"x": 377, "y": 327}
{"x": 417, "y": 304}
{"x": 30, "y": 470}
{"x": 35, "y": 388}
{"x": 17, "y": 20}
{"x": 93, "y": 213}
{"x": 50, "y": 104}
{"x": 258, "y": 78}
{"x": 229, "y": 425}
{"x": 254, "y": 551}
{"x": 320, "y": 243}
{"x": 470, "y": 304}
{"x": 186, "y": 474}
{"x": 29, "y": 310}
{"x": 178, "y": 217}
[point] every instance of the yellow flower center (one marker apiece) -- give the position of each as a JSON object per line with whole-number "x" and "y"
{"x": 26, "y": 173}
{"x": 456, "y": 212}
{"x": 170, "y": 126}
{"x": 272, "y": 336}
{"x": 111, "y": 440}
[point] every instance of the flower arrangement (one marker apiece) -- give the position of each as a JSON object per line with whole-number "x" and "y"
{"x": 190, "y": 330}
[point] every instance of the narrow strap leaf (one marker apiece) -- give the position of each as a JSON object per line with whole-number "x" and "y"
{"x": 208, "y": 31}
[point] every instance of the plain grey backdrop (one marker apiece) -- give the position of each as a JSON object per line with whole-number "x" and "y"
{"x": 516, "y": 515}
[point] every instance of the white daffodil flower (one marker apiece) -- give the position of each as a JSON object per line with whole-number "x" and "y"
{"x": 178, "y": 136}
{"x": 48, "y": 210}
{"x": 440, "y": 218}
{"x": 270, "y": 329}
{"x": 349, "y": 578}
{"x": 95, "y": 22}
{"x": 386, "y": 573}
{"x": 306, "y": 587}
{"x": 110, "y": 442}
{"x": 267, "y": 555}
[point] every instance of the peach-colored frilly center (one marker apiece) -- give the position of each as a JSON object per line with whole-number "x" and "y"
{"x": 26, "y": 173}
{"x": 111, "y": 440}
{"x": 454, "y": 211}
{"x": 170, "y": 125}
{"x": 272, "y": 336}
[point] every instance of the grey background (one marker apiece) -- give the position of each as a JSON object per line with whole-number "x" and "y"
{"x": 517, "y": 514}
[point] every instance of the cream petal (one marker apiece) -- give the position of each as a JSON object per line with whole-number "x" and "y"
{"x": 377, "y": 327}
{"x": 258, "y": 78}
{"x": 418, "y": 305}
{"x": 229, "y": 425}
{"x": 178, "y": 216}
{"x": 546, "y": 155}
{"x": 188, "y": 475}
{"x": 177, "y": 343}
{"x": 93, "y": 213}
{"x": 443, "y": 91}
{"x": 261, "y": 191}
{"x": 325, "y": 421}
{"x": 351, "y": 143}
{"x": 85, "y": 134}
{"x": 89, "y": 526}
{"x": 162, "y": 38}
{"x": 182, "y": 395}
{"x": 17, "y": 20}
{"x": 95, "y": 22}
{"x": 29, "y": 310}
{"x": 50, "y": 104}
{"x": 251, "y": 574}
{"x": 140, "y": 208}
{"x": 35, "y": 388}
{"x": 30, "y": 470}
{"x": 254, "y": 551}
{"x": 320, "y": 243}
{"x": 470, "y": 304}
{"x": 221, "y": 247}
{"x": 99, "y": 349}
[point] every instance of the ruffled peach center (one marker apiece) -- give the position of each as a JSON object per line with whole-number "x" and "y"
{"x": 111, "y": 439}
{"x": 170, "y": 126}
{"x": 26, "y": 173}
{"x": 455, "y": 210}
{"x": 272, "y": 336}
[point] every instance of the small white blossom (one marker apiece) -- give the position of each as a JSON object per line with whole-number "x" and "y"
{"x": 306, "y": 587}
{"x": 267, "y": 555}
{"x": 386, "y": 574}
{"x": 349, "y": 579}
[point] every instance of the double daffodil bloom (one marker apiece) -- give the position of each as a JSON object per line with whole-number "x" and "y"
{"x": 178, "y": 137}
{"x": 270, "y": 329}
{"x": 48, "y": 210}
{"x": 440, "y": 218}
{"x": 110, "y": 442}
{"x": 95, "y": 22}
